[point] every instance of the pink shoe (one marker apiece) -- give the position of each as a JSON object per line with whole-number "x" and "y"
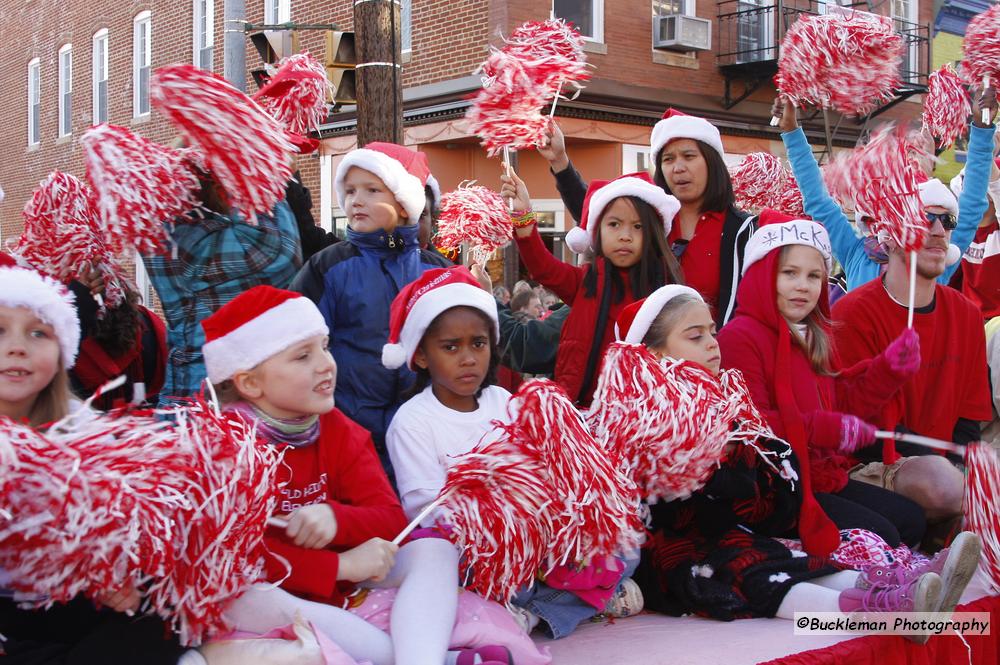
{"x": 491, "y": 654}
{"x": 955, "y": 565}
{"x": 922, "y": 594}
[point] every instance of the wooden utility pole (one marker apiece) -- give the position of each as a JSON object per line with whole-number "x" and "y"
{"x": 377, "y": 26}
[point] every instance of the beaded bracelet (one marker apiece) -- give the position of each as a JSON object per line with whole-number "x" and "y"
{"x": 526, "y": 218}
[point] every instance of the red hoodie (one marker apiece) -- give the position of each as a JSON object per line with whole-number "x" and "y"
{"x": 342, "y": 469}
{"x": 801, "y": 406}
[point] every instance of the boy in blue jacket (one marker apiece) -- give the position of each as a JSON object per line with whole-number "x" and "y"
{"x": 382, "y": 189}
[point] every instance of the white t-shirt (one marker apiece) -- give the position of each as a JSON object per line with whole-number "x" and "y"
{"x": 426, "y": 436}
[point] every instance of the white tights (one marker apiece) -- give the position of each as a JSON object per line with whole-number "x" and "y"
{"x": 421, "y": 623}
{"x": 819, "y": 595}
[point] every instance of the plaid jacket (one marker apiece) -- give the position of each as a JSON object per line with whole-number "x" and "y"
{"x": 212, "y": 261}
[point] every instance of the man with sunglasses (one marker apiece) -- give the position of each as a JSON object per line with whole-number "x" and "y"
{"x": 862, "y": 258}
{"x": 950, "y": 393}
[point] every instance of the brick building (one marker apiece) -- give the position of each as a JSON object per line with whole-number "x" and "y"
{"x": 71, "y": 61}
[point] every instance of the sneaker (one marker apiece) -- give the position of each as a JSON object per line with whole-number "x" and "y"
{"x": 626, "y": 602}
{"x": 955, "y": 565}
{"x": 526, "y": 619}
{"x": 922, "y": 594}
{"x": 957, "y": 568}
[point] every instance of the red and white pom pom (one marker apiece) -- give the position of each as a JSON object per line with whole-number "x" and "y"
{"x": 595, "y": 507}
{"x": 297, "y": 94}
{"x": 982, "y": 512}
{"x": 762, "y": 181}
{"x": 138, "y": 185}
{"x": 476, "y": 215}
{"x": 496, "y": 511}
{"x": 231, "y": 137}
{"x": 667, "y": 422}
{"x": 946, "y": 106}
{"x": 506, "y": 112}
{"x": 882, "y": 179}
{"x": 850, "y": 63}
{"x": 62, "y": 235}
{"x": 981, "y": 48}
{"x": 552, "y": 52}
{"x": 104, "y": 502}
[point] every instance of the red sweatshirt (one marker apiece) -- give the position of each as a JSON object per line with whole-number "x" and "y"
{"x": 952, "y": 382}
{"x": 579, "y": 333}
{"x": 749, "y": 343}
{"x": 341, "y": 469}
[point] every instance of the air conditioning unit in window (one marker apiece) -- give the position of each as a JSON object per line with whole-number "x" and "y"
{"x": 677, "y": 32}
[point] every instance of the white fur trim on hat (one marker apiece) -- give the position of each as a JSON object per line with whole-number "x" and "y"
{"x": 665, "y": 205}
{"x": 426, "y": 309}
{"x": 435, "y": 188}
{"x": 957, "y": 184}
{"x": 685, "y": 127}
{"x": 651, "y": 308}
{"x": 794, "y": 232}
{"x": 269, "y": 334}
{"x": 405, "y": 187}
{"x": 51, "y": 302}
{"x": 933, "y": 192}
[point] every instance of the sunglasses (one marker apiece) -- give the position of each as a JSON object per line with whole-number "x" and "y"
{"x": 948, "y": 221}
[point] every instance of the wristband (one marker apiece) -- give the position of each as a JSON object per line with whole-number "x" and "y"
{"x": 526, "y": 218}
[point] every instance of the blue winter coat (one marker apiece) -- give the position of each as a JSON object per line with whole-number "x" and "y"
{"x": 353, "y": 283}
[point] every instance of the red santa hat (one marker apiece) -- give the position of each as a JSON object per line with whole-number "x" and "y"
{"x": 421, "y": 301}
{"x": 51, "y": 302}
{"x": 404, "y": 172}
{"x": 601, "y": 193}
{"x": 634, "y": 321}
{"x": 255, "y": 325}
{"x": 676, "y": 125}
{"x": 777, "y": 229}
{"x": 933, "y": 192}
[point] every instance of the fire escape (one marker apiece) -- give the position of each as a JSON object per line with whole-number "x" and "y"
{"x": 749, "y": 43}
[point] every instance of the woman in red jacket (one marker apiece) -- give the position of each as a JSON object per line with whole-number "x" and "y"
{"x": 625, "y": 222}
{"x": 780, "y": 339}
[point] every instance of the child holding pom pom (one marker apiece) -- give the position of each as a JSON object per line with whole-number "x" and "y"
{"x": 712, "y": 554}
{"x": 445, "y": 326}
{"x": 383, "y": 190}
{"x": 780, "y": 339}
{"x": 39, "y": 336}
{"x": 267, "y": 350}
{"x": 626, "y": 223}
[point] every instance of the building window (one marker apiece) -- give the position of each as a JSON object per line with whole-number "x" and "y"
{"x": 100, "y": 77}
{"x": 670, "y": 7}
{"x": 34, "y": 101}
{"x": 406, "y": 30}
{"x": 204, "y": 32}
{"x": 277, "y": 11}
{"x": 66, "y": 90}
{"x": 587, "y": 16}
{"x": 142, "y": 59}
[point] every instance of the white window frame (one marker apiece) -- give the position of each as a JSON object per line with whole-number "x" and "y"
{"x": 406, "y": 25}
{"x": 277, "y": 11}
{"x": 99, "y": 66}
{"x": 597, "y": 18}
{"x": 142, "y": 23}
{"x": 688, "y": 8}
{"x": 204, "y": 11}
{"x": 630, "y": 156}
{"x": 65, "y": 65}
{"x": 34, "y": 100}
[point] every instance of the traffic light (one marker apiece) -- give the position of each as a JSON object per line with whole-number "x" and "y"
{"x": 341, "y": 59}
{"x": 272, "y": 45}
